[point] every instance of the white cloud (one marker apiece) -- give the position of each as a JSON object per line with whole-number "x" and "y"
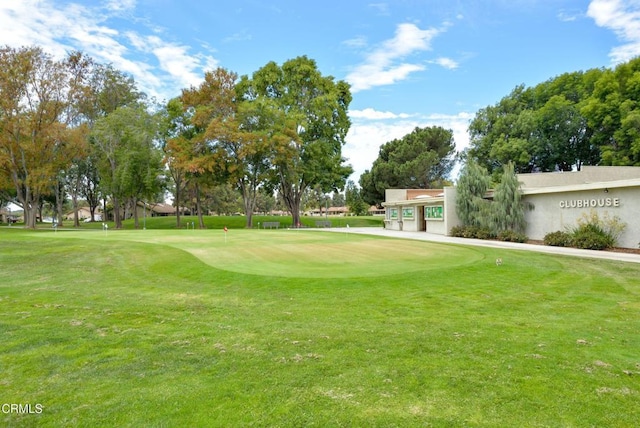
{"x": 160, "y": 67}
{"x": 120, "y": 5}
{"x": 623, "y": 18}
{"x": 569, "y": 15}
{"x": 371, "y": 129}
{"x": 356, "y": 42}
{"x": 384, "y": 65}
{"x": 447, "y": 63}
{"x": 372, "y": 114}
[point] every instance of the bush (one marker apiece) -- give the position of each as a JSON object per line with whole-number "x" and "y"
{"x": 558, "y": 239}
{"x": 472, "y": 232}
{"x": 590, "y": 236}
{"x": 457, "y": 231}
{"x": 511, "y": 236}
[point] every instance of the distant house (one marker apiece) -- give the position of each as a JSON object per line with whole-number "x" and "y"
{"x": 375, "y": 211}
{"x": 160, "y": 209}
{"x": 333, "y": 211}
{"x": 84, "y": 213}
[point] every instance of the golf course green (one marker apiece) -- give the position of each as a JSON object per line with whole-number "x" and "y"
{"x": 297, "y": 328}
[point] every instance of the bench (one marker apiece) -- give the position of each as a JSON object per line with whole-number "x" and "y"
{"x": 323, "y": 224}
{"x": 271, "y": 225}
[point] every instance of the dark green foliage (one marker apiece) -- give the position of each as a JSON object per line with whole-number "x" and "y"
{"x": 512, "y": 236}
{"x": 558, "y": 239}
{"x": 353, "y": 195}
{"x": 591, "y": 233}
{"x": 472, "y": 187}
{"x": 507, "y": 207}
{"x": 421, "y": 159}
{"x": 578, "y": 118}
{"x": 474, "y": 232}
{"x": 591, "y": 236}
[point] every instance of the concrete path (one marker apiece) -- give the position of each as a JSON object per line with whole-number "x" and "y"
{"x": 423, "y": 236}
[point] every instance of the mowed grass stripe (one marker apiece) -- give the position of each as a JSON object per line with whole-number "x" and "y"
{"x": 112, "y": 332}
{"x": 300, "y": 253}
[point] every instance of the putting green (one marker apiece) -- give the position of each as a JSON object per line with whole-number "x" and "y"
{"x": 300, "y": 253}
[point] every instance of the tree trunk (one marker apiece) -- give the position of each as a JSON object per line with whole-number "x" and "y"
{"x": 74, "y": 201}
{"x": 199, "y": 207}
{"x": 117, "y": 215}
{"x": 249, "y": 202}
{"x": 59, "y": 203}
{"x": 177, "y": 201}
{"x": 136, "y": 222}
{"x": 292, "y": 196}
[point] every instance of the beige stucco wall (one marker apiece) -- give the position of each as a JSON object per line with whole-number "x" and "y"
{"x": 561, "y": 211}
{"x": 558, "y": 201}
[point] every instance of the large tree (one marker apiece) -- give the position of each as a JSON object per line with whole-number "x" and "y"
{"x": 35, "y": 141}
{"x": 560, "y": 124}
{"x": 310, "y": 125}
{"x": 421, "y": 159}
{"x": 130, "y": 164}
{"x": 176, "y": 135}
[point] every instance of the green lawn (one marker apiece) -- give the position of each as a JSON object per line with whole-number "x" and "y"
{"x": 299, "y": 328}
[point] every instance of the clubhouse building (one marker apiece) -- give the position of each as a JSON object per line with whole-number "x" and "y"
{"x": 555, "y": 201}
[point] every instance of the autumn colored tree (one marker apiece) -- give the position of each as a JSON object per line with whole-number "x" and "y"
{"x": 34, "y": 138}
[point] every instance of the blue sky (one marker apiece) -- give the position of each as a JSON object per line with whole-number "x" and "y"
{"x": 410, "y": 62}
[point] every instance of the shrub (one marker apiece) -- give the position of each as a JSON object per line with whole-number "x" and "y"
{"x": 558, "y": 239}
{"x": 512, "y": 236}
{"x": 472, "y": 232}
{"x": 457, "y": 231}
{"x": 595, "y": 233}
{"x": 592, "y": 237}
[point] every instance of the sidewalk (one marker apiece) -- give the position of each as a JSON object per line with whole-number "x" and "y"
{"x": 424, "y": 236}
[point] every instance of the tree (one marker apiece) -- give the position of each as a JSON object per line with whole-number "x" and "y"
{"x": 471, "y": 206}
{"x": 507, "y": 206}
{"x": 419, "y": 160}
{"x": 140, "y": 172}
{"x": 176, "y": 133}
{"x": 354, "y": 201}
{"x": 34, "y": 142}
{"x": 310, "y": 123}
{"x": 337, "y": 200}
{"x": 129, "y": 165}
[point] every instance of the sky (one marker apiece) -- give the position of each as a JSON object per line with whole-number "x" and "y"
{"x": 410, "y": 63}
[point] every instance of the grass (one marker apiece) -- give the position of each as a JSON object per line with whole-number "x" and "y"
{"x": 166, "y": 328}
{"x": 231, "y": 222}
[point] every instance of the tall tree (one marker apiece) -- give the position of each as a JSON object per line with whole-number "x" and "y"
{"x": 312, "y": 125}
{"x": 507, "y": 206}
{"x": 129, "y": 166}
{"x": 419, "y": 160}
{"x": 205, "y": 153}
{"x": 471, "y": 206}
{"x": 354, "y": 200}
{"x": 33, "y": 137}
{"x": 176, "y": 135}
